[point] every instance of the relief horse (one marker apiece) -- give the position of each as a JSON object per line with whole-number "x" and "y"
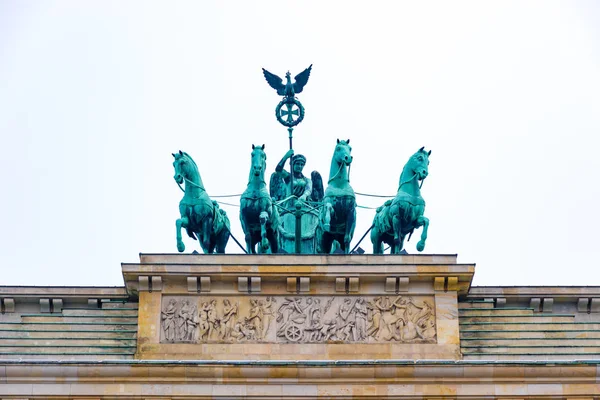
{"x": 402, "y": 215}
{"x": 338, "y": 214}
{"x": 201, "y": 217}
{"x": 258, "y": 215}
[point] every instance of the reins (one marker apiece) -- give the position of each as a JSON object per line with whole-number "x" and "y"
{"x": 410, "y": 180}
{"x": 191, "y": 183}
{"x": 342, "y": 164}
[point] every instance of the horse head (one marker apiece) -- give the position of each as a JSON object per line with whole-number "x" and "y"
{"x": 184, "y": 166}
{"x": 418, "y": 164}
{"x": 342, "y": 154}
{"x": 258, "y": 161}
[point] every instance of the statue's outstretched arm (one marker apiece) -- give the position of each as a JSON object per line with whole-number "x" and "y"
{"x": 279, "y": 167}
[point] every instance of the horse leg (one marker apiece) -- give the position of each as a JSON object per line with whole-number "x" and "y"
{"x": 273, "y": 240}
{"x": 221, "y": 240}
{"x": 422, "y": 221}
{"x": 180, "y": 223}
{"x": 350, "y": 225}
{"x": 326, "y": 242}
{"x": 247, "y": 236}
{"x": 264, "y": 242}
{"x": 397, "y": 234}
{"x": 327, "y": 217}
{"x": 376, "y": 240}
{"x": 204, "y": 238}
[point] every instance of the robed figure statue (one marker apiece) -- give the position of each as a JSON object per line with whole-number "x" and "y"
{"x": 307, "y": 191}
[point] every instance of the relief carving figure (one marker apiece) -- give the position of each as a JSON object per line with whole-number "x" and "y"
{"x": 360, "y": 319}
{"x": 213, "y": 322}
{"x": 256, "y": 317}
{"x": 229, "y": 318}
{"x": 168, "y": 320}
{"x": 300, "y": 319}
{"x": 187, "y": 322}
{"x": 267, "y": 312}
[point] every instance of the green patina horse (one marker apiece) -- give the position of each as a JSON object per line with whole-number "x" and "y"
{"x": 258, "y": 215}
{"x": 201, "y": 217}
{"x": 402, "y": 215}
{"x": 338, "y": 214}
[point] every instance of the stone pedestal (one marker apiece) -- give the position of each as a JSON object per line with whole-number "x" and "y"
{"x": 290, "y": 307}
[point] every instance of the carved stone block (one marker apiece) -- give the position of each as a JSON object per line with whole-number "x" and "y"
{"x": 9, "y": 305}
{"x": 452, "y": 283}
{"x": 45, "y": 305}
{"x": 582, "y": 305}
{"x": 595, "y": 305}
{"x": 304, "y": 284}
{"x": 547, "y": 304}
{"x": 156, "y": 283}
{"x": 403, "y": 284}
{"x": 439, "y": 283}
{"x": 340, "y": 284}
{"x": 292, "y": 283}
{"x": 192, "y": 284}
{"x": 298, "y": 319}
{"x": 242, "y": 284}
{"x": 353, "y": 285}
{"x": 255, "y": 284}
{"x": 205, "y": 283}
{"x": 390, "y": 284}
{"x": 535, "y": 304}
{"x": 143, "y": 283}
{"x": 57, "y": 305}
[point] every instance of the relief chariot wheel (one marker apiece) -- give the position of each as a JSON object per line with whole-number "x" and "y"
{"x": 293, "y": 333}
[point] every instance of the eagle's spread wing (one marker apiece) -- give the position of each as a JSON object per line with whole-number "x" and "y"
{"x": 301, "y": 79}
{"x": 275, "y": 82}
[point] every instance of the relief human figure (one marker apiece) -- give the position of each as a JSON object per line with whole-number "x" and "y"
{"x": 360, "y": 318}
{"x": 346, "y": 325}
{"x": 213, "y": 323}
{"x": 192, "y": 323}
{"x": 182, "y": 321}
{"x": 268, "y": 314}
{"x": 378, "y": 306}
{"x": 168, "y": 320}
{"x": 239, "y": 330}
{"x": 204, "y": 325}
{"x": 256, "y": 317}
{"x": 229, "y": 318}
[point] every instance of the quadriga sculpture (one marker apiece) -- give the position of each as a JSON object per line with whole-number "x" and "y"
{"x": 258, "y": 215}
{"x": 201, "y": 217}
{"x": 338, "y": 214}
{"x": 402, "y": 215}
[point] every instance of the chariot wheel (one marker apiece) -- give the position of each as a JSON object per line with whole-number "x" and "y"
{"x": 293, "y": 333}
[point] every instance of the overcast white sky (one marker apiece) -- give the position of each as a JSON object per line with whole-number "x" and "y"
{"x": 95, "y": 96}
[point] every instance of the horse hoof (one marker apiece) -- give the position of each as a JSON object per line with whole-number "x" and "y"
{"x": 421, "y": 246}
{"x": 180, "y": 247}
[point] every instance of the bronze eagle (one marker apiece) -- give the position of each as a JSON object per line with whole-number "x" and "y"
{"x": 288, "y": 89}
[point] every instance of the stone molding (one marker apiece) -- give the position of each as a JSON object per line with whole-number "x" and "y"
{"x": 334, "y": 379}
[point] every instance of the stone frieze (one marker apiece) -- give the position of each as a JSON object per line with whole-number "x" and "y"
{"x": 298, "y": 319}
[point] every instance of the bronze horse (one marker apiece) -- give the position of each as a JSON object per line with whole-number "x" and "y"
{"x": 258, "y": 215}
{"x": 402, "y": 215}
{"x": 200, "y": 216}
{"x": 338, "y": 215}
